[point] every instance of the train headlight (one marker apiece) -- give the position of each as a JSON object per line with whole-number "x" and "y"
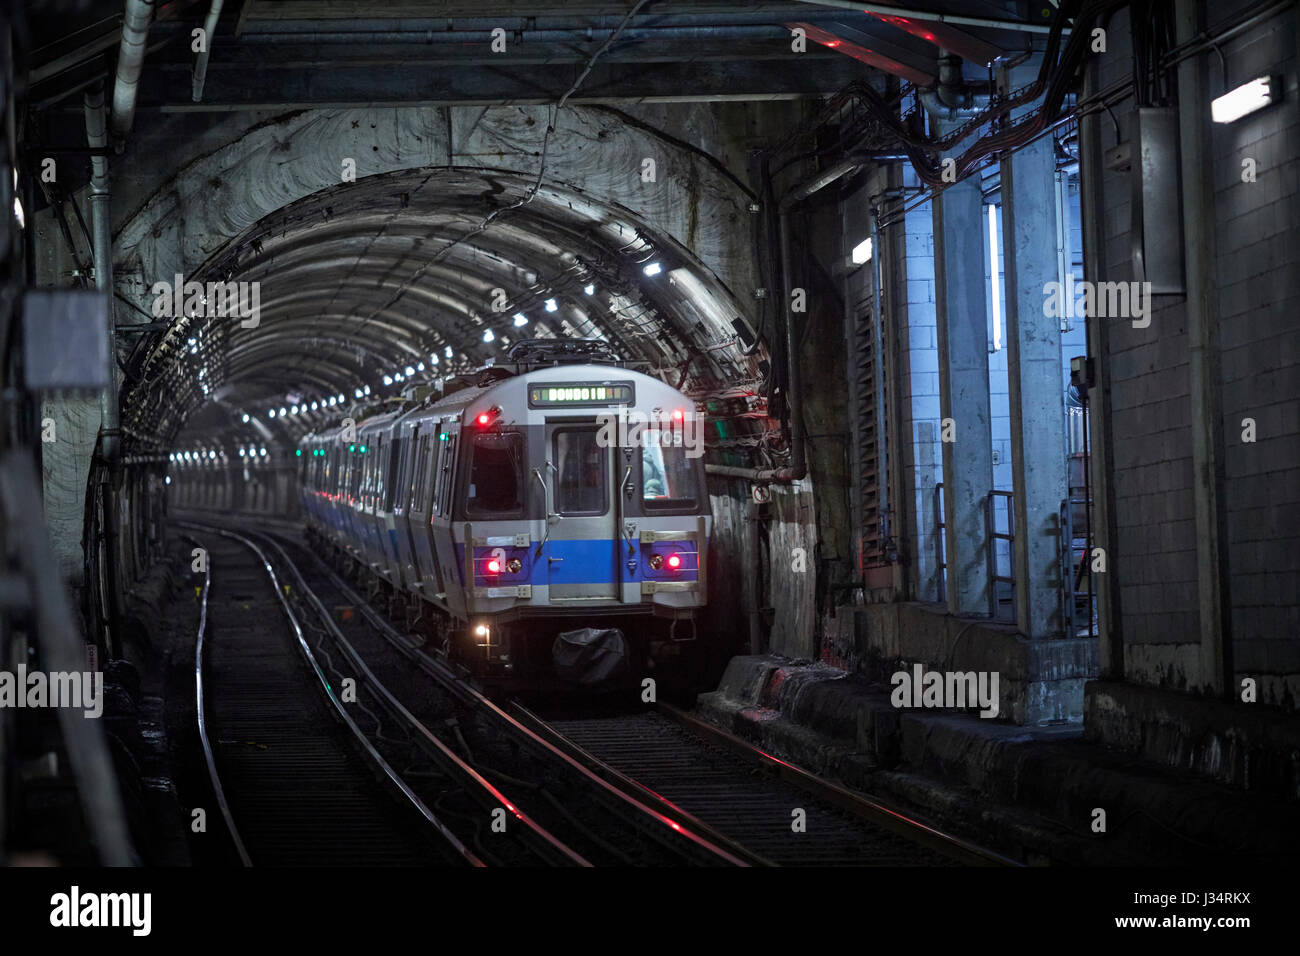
{"x": 514, "y": 565}
{"x": 656, "y": 562}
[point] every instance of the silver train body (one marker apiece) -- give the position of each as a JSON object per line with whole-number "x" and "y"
{"x": 565, "y": 495}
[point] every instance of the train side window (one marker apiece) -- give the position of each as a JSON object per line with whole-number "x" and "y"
{"x": 394, "y": 473}
{"x": 377, "y": 472}
{"x": 667, "y": 476}
{"x": 581, "y": 464}
{"x": 496, "y": 474}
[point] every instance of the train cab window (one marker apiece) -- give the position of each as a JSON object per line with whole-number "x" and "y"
{"x": 496, "y": 477}
{"x": 667, "y": 476}
{"x": 581, "y": 465}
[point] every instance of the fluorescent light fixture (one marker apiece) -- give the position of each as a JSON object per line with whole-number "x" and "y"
{"x": 433, "y": 359}
{"x": 448, "y": 352}
{"x": 409, "y": 371}
{"x": 366, "y": 390}
{"x": 283, "y": 411}
{"x": 293, "y": 410}
{"x": 241, "y": 453}
{"x": 263, "y": 452}
{"x": 315, "y": 405}
{"x": 420, "y": 366}
{"x": 551, "y": 305}
{"x": 589, "y": 288}
{"x": 169, "y": 479}
{"x": 388, "y": 380}
{"x": 520, "y": 320}
{"x": 357, "y": 393}
{"x": 653, "y": 269}
{"x": 245, "y": 417}
{"x": 862, "y": 252}
{"x": 1244, "y": 100}
{"x": 994, "y": 250}
{"x": 487, "y": 335}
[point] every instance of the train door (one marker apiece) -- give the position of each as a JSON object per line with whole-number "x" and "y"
{"x": 447, "y": 561}
{"x": 581, "y": 552}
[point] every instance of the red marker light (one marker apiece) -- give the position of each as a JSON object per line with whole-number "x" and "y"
{"x": 678, "y": 414}
{"x": 484, "y": 418}
{"x": 674, "y": 561}
{"x": 494, "y": 566}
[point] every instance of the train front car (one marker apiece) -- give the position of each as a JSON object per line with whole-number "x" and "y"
{"x": 581, "y": 507}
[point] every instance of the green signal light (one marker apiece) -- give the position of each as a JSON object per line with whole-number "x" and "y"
{"x": 298, "y": 453}
{"x": 352, "y": 447}
{"x": 363, "y": 449}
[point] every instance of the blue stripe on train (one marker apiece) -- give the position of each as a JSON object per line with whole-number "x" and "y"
{"x": 583, "y": 561}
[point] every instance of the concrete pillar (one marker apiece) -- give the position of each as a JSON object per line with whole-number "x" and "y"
{"x": 1038, "y": 443}
{"x": 1214, "y": 599}
{"x": 1101, "y": 437}
{"x": 962, "y": 333}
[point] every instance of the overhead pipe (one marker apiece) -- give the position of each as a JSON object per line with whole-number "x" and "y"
{"x": 880, "y": 10}
{"x": 130, "y": 60}
{"x": 201, "y": 61}
{"x": 951, "y": 98}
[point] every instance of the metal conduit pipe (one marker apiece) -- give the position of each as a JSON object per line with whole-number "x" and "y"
{"x": 201, "y": 61}
{"x": 130, "y": 60}
{"x": 102, "y": 236}
{"x": 951, "y": 97}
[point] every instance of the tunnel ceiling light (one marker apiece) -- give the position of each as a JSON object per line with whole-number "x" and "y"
{"x": 420, "y": 367}
{"x": 357, "y": 393}
{"x": 283, "y": 411}
{"x": 1244, "y": 100}
{"x": 245, "y": 418}
{"x": 862, "y": 252}
{"x": 168, "y": 479}
{"x": 388, "y": 380}
{"x": 409, "y": 371}
{"x": 315, "y": 405}
{"x": 270, "y": 413}
{"x": 520, "y": 320}
{"x": 552, "y": 306}
{"x": 241, "y": 453}
{"x": 212, "y": 455}
{"x": 342, "y": 397}
{"x": 589, "y": 288}
{"x": 653, "y": 269}
{"x": 263, "y": 452}
{"x": 487, "y": 335}
{"x": 448, "y": 351}
{"x": 293, "y": 410}
{"x": 398, "y": 377}
{"x": 434, "y": 359}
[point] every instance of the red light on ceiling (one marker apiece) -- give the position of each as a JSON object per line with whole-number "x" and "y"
{"x": 674, "y": 561}
{"x": 833, "y": 44}
{"x": 494, "y": 566}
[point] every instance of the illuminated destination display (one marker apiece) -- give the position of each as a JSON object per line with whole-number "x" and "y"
{"x": 579, "y": 393}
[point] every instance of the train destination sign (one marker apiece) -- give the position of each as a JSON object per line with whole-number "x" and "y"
{"x": 549, "y": 394}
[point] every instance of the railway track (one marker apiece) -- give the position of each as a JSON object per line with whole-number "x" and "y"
{"x": 650, "y": 787}
{"x": 288, "y": 786}
{"x": 778, "y": 811}
{"x": 449, "y": 742}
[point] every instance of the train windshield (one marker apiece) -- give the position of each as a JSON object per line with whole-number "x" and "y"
{"x": 496, "y": 475}
{"x": 667, "y": 475}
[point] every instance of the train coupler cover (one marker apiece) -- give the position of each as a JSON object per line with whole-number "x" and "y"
{"x": 592, "y": 656}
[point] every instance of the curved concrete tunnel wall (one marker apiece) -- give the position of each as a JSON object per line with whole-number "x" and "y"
{"x": 223, "y": 185}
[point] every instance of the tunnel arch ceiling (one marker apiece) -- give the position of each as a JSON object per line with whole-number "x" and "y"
{"x": 361, "y": 278}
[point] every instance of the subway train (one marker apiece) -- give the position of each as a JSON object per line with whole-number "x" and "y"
{"x": 546, "y": 519}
